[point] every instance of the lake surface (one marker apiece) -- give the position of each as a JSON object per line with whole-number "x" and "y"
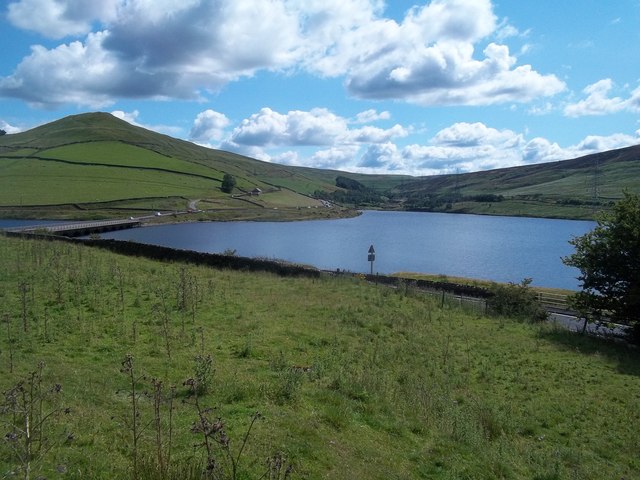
{"x": 503, "y": 249}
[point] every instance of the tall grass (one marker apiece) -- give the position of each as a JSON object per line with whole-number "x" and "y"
{"x": 351, "y": 379}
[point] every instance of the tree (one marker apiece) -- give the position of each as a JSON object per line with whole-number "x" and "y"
{"x": 228, "y": 183}
{"x": 2, "y": 132}
{"x": 608, "y": 258}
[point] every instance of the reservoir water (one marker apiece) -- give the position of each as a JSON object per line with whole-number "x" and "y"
{"x": 503, "y": 249}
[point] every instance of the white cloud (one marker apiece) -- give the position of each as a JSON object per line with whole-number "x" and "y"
{"x": 598, "y": 143}
{"x": 384, "y": 156}
{"x": 371, "y": 115}
{"x": 340, "y": 158}
{"x": 60, "y": 18}
{"x": 461, "y": 147}
{"x": 164, "y": 49}
{"x": 287, "y": 158}
{"x": 270, "y": 128}
{"x": 597, "y": 102}
{"x": 369, "y": 134}
{"x": 208, "y": 42}
{"x": 209, "y": 125}
{"x": 159, "y": 50}
{"x": 8, "y": 128}
{"x": 476, "y": 134}
{"x": 634, "y": 101}
{"x": 132, "y": 118}
{"x": 542, "y": 109}
{"x": 466, "y": 147}
{"x": 83, "y": 74}
{"x": 428, "y": 59}
{"x": 475, "y": 147}
{"x": 317, "y": 127}
{"x": 539, "y": 150}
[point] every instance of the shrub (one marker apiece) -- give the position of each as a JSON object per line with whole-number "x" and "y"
{"x": 516, "y": 300}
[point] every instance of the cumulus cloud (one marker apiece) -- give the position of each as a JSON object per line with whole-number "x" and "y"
{"x": 466, "y": 147}
{"x": 599, "y": 143}
{"x": 8, "y": 128}
{"x": 474, "y": 147}
{"x": 382, "y": 156}
{"x": 369, "y": 134}
{"x": 57, "y": 18}
{"x": 322, "y": 139}
{"x": 539, "y": 150}
{"x": 429, "y": 59}
{"x": 270, "y": 128}
{"x": 132, "y": 118}
{"x": 144, "y": 49}
{"x": 371, "y": 115}
{"x": 158, "y": 50}
{"x": 317, "y": 127}
{"x": 597, "y": 102}
{"x": 209, "y": 125}
{"x": 77, "y": 73}
{"x": 340, "y": 144}
{"x": 465, "y": 134}
{"x": 85, "y": 74}
{"x": 339, "y": 157}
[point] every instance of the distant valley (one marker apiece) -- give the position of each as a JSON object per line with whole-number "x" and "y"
{"x": 96, "y": 166}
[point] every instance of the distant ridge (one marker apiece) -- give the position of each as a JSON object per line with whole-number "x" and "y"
{"x": 93, "y": 158}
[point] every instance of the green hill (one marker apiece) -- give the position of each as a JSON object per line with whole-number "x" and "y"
{"x": 574, "y": 188}
{"x": 96, "y": 165}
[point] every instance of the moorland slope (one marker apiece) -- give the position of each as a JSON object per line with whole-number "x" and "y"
{"x": 95, "y": 165}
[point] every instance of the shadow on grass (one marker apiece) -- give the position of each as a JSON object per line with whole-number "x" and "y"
{"x": 627, "y": 356}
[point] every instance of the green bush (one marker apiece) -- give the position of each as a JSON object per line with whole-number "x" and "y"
{"x": 516, "y": 300}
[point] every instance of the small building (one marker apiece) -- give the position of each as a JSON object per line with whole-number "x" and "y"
{"x": 256, "y": 191}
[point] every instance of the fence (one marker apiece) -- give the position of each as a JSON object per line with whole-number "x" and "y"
{"x": 555, "y": 301}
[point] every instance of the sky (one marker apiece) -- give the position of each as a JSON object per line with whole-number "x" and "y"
{"x": 370, "y": 86}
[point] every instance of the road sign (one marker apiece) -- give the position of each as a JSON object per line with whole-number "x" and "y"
{"x": 371, "y": 257}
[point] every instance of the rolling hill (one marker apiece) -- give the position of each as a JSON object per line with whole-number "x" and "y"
{"x": 98, "y": 165}
{"x": 575, "y": 188}
{"x": 95, "y": 165}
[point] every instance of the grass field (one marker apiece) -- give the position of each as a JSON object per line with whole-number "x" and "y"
{"x": 121, "y": 154}
{"x": 39, "y": 182}
{"x": 95, "y": 161}
{"x": 352, "y": 380}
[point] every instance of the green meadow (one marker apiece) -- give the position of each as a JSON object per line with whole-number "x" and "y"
{"x": 96, "y": 166}
{"x": 122, "y": 364}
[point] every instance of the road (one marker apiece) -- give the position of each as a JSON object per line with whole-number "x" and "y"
{"x": 575, "y": 324}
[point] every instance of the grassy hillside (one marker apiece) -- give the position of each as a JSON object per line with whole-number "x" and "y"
{"x": 100, "y": 165}
{"x": 352, "y": 380}
{"x": 95, "y": 165}
{"x": 572, "y": 188}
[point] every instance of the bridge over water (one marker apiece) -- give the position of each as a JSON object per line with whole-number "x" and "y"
{"x": 77, "y": 229}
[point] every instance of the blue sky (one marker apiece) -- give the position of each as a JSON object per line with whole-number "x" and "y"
{"x": 368, "y": 86}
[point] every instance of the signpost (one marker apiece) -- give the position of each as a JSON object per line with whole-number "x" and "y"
{"x": 372, "y": 257}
